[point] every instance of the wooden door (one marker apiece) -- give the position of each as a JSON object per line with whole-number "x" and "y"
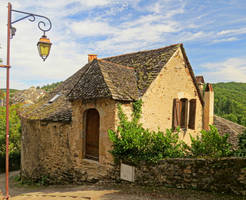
{"x": 92, "y": 134}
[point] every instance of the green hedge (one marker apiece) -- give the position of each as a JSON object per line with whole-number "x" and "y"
{"x": 14, "y": 138}
{"x": 14, "y": 162}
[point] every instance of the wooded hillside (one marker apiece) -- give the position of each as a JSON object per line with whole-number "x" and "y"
{"x": 230, "y": 101}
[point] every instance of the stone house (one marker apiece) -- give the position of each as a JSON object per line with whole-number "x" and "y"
{"x": 70, "y": 123}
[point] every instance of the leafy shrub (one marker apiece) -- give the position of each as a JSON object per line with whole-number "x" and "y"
{"x": 14, "y": 138}
{"x": 132, "y": 143}
{"x": 209, "y": 144}
{"x": 241, "y": 151}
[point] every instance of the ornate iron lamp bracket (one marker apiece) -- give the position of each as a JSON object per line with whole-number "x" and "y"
{"x": 42, "y": 25}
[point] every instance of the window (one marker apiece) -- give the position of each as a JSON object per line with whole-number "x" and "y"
{"x": 176, "y": 113}
{"x": 54, "y": 98}
{"x": 192, "y": 114}
{"x": 180, "y": 113}
{"x": 183, "y": 113}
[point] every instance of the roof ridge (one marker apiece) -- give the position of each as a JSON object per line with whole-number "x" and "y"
{"x": 119, "y": 65}
{"x": 81, "y": 75}
{"x": 142, "y": 51}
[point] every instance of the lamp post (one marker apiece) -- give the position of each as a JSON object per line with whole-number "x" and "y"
{"x": 43, "y": 45}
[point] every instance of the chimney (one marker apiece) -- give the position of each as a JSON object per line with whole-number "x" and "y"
{"x": 200, "y": 82}
{"x": 91, "y": 57}
{"x": 208, "y": 112}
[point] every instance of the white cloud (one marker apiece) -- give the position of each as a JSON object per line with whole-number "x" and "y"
{"x": 233, "y": 31}
{"x": 230, "y": 39}
{"x": 104, "y": 27}
{"x": 92, "y": 28}
{"x": 233, "y": 69}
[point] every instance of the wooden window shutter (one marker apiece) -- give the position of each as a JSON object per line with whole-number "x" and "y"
{"x": 192, "y": 114}
{"x": 184, "y": 113}
{"x": 176, "y": 113}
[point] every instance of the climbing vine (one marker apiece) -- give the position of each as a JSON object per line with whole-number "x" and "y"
{"x": 132, "y": 143}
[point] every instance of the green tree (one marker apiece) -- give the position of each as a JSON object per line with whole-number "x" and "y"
{"x": 14, "y": 137}
{"x": 51, "y": 86}
{"x": 229, "y": 101}
{"x": 209, "y": 144}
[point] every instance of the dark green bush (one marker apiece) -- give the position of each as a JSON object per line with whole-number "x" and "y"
{"x": 241, "y": 151}
{"x": 209, "y": 144}
{"x": 14, "y": 138}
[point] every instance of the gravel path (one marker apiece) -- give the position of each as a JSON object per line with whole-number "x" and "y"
{"x": 105, "y": 191}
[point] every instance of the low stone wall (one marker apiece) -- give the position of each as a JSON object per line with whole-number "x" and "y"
{"x": 222, "y": 175}
{"x": 226, "y": 175}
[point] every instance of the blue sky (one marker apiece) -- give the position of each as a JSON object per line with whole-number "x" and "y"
{"x": 213, "y": 33}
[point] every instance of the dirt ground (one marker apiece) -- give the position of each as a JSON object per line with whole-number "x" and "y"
{"x": 104, "y": 191}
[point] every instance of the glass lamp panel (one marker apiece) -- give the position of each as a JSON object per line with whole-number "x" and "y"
{"x": 44, "y": 50}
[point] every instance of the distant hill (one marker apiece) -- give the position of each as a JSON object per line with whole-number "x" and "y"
{"x": 50, "y": 87}
{"x": 11, "y": 91}
{"x": 230, "y": 101}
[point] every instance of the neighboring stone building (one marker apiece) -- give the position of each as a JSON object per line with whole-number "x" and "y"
{"x": 70, "y": 123}
{"x": 29, "y": 96}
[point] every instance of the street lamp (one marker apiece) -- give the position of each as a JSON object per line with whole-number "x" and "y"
{"x": 44, "y": 46}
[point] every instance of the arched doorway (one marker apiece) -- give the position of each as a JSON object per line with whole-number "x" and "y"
{"x": 92, "y": 134}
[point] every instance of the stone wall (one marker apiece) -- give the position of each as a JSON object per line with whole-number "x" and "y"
{"x": 222, "y": 175}
{"x": 174, "y": 81}
{"x": 47, "y": 155}
{"x": 45, "y": 149}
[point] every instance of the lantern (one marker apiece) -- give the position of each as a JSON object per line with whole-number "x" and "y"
{"x": 44, "y": 46}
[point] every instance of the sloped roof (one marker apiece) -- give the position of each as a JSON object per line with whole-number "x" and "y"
{"x": 192, "y": 74}
{"x": 104, "y": 79}
{"x": 147, "y": 64}
{"x": 225, "y": 126}
{"x": 200, "y": 79}
{"x": 124, "y": 77}
{"x": 60, "y": 109}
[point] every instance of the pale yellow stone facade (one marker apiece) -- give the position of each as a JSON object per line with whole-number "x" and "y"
{"x": 174, "y": 81}
{"x": 107, "y": 113}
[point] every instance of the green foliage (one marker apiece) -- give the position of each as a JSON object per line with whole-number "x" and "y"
{"x": 50, "y": 87}
{"x": 14, "y": 137}
{"x": 132, "y": 143}
{"x": 209, "y": 144}
{"x": 241, "y": 151}
{"x": 229, "y": 101}
{"x": 2, "y": 94}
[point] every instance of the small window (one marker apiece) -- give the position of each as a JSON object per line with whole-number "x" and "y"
{"x": 180, "y": 112}
{"x": 176, "y": 113}
{"x": 54, "y": 98}
{"x": 183, "y": 113}
{"x": 192, "y": 114}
